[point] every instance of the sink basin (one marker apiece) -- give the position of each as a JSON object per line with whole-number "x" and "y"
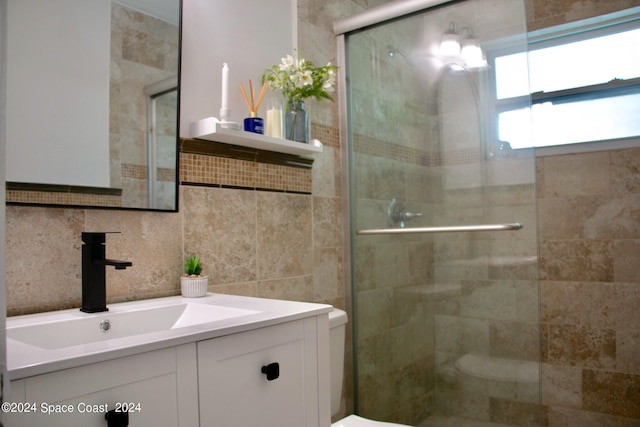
{"x": 84, "y": 328}
{"x": 46, "y": 342}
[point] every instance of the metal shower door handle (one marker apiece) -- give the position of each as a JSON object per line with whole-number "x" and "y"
{"x": 447, "y": 229}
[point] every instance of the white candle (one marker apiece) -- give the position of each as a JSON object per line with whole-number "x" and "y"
{"x": 224, "y": 107}
{"x": 274, "y": 123}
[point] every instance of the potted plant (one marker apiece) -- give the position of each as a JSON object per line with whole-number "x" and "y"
{"x": 192, "y": 283}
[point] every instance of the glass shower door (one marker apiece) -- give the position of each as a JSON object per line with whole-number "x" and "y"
{"x": 446, "y": 328}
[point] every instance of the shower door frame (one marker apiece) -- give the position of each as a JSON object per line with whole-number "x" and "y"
{"x": 373, "y": 16}
{"x": 342, "y": 27}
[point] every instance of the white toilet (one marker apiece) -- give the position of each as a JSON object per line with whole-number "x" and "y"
{"x": 337, "y": 327}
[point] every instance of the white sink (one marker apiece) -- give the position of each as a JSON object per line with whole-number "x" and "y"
{"x": 46, "y": 342}
{"x": 88, "y": 328}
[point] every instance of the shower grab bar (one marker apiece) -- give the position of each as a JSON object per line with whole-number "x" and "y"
{"x": 449, "y": 229}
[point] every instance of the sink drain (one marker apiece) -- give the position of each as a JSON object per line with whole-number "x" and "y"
{"x": 105, "y": 325}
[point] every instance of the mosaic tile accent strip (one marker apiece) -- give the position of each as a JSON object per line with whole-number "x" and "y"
{"x": 328, "y": 135}
{"x": 55, "y": 198}
{"x": 133, "y": 171}
{"x": 230, "y": 151}
{"x": 166, "y": 174}
{"x": 140, "y": 172}
{"x": 201, "y": 169}
{"x": 379, "y": 148}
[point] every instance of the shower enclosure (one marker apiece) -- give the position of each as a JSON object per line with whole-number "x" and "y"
{"x": 161, "y": 98}
{"x": 443, "y": 241}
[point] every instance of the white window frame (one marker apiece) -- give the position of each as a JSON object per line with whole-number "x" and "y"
{"x": 566, "y": 33}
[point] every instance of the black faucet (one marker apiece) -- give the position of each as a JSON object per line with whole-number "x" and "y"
{"x": 94, "y": 289}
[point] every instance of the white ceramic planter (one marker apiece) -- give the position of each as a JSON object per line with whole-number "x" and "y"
{"x": 194, "y": 287}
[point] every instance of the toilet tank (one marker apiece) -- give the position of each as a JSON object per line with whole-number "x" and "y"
{"x": 337, "y": 328}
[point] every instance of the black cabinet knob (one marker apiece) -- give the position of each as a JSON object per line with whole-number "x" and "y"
{"x": 272, "y": 371}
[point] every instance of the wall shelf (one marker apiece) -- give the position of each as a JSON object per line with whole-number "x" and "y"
{"x": 210, "y": 129}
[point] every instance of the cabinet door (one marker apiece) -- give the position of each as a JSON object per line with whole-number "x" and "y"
{"x": 144, "y": 384}
{"x": 234, "y": 391}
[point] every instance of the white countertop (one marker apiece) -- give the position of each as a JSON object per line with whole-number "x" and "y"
{"x": 25, "y": 360}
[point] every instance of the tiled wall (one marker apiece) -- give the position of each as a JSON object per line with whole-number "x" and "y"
{"x": 547, "y": 13}
{"x": 589, "y": 228}
{"x": 589, "y": 214}
{"x": 255, "y": 236}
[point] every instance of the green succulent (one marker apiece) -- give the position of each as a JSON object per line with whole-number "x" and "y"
{"x": 193, "y": 266}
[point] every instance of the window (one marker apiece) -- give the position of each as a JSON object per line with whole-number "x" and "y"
{"x": 572, "y": 88}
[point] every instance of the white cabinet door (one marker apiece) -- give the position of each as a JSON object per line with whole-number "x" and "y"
{"x": 143, "y": 384}
{"x": 235, "y": 392}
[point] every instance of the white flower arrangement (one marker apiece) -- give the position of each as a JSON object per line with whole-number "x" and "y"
{"x": 299, "y": 79}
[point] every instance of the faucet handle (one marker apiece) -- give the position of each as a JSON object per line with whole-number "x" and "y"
{"x": 399, "y": 214}
{"x": 96, "y": 237}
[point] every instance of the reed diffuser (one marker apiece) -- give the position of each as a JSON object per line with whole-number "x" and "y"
{"x": 253, "y": 123}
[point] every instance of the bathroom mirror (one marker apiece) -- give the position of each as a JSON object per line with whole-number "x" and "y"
{"x": 92, "y": 103}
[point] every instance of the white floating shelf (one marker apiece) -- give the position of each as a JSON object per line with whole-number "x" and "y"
{"x": 211, "y": 129}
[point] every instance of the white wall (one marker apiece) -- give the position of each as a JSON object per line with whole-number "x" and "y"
{"x": 248, "y": 35}
{"x": 58, "y": 50}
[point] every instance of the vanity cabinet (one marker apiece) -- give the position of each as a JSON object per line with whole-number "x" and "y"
{"x": 266, "y": 377}
{"x": 143, "y": 384}
{"x": 269, "y": 376}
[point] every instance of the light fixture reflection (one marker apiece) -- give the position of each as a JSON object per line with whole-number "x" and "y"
{"x": 468, "y": 51}
{"x": 450, "y": 43}
{"x": 471, "y": 53}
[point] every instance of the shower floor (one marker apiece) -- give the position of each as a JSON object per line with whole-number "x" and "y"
{"x": 441, "y": 421}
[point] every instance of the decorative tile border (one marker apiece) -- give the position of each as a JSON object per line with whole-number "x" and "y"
{"x": 141, "y": 172}
{"x": 328, "y": 135}
{"x": 133, "y": 171}
{"x": 376, "y": 147}
{"x": 43, "y": 194}
{"x": 201, "y": 169}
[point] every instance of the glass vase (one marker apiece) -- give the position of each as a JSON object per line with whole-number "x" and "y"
{"x": 296, "y": 122}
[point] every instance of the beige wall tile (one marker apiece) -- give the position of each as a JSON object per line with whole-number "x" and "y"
{"x": 284, "y": 235}
{"x": 577, "y": 260}
{"x": 558, "y": 218}
{"x": 43, "y": 258}
{"x": 625, "y": 170}
{"x": 143, "y": 240}
{"x": 220, "y": 228}
{"x": 568, "y": 417}
{"x": 327, "y": 230}
{"x": 577, "y": 174}
{"x": 625, "y": 264}
{"x": 561, "y": 385}
{"x": 611, "y": 216}
{"x": 611, "y": 393}
{"x": 628, "y": 351}
{"x": 327, "y": 275}
{"x": 586, "y": 346}
{"x": 290, "y": 288}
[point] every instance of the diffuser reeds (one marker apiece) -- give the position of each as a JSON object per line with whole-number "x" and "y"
{"x": 253, "y": 105}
